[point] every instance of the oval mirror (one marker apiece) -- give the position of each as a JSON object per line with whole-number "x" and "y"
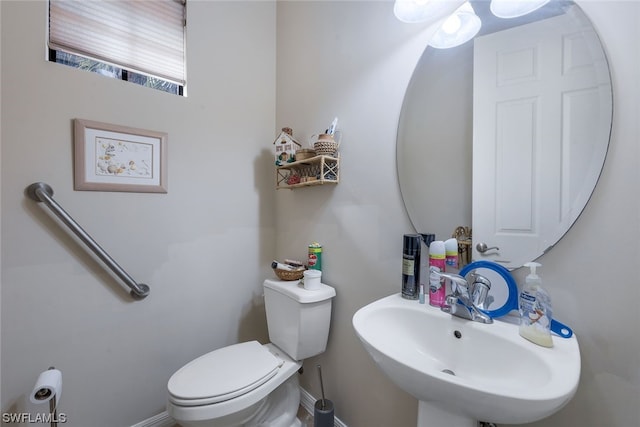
{"x": 507, "y": 134}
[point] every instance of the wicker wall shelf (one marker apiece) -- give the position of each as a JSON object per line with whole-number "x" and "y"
{"x": 317, "y": 170}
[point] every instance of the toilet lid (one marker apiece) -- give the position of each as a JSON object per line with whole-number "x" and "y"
{"x": 223, "y": 374}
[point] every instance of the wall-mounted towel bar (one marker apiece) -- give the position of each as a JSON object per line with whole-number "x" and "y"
{"x": 41, "y": 192}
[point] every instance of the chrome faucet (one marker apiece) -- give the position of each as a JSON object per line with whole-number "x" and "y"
{"x": 466, "y": 300}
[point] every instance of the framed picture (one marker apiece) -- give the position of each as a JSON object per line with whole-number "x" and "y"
{"x": 118, "y": 158}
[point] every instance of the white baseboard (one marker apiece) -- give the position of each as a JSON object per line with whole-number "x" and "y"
{"x": 307, "y": 401}
{"x": 161, "y": 420}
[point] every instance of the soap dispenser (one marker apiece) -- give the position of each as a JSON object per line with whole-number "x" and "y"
{"x": 535, "y": 309}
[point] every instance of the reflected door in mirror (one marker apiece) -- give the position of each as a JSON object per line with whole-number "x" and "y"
{"x": 531, "y": 84}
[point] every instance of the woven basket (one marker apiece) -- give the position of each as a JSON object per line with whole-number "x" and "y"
{"x": 325, "y": 148}
{"x": 326, "y": 145}
{"x": 305, "y": 153}
{"x": 288, "y": 275}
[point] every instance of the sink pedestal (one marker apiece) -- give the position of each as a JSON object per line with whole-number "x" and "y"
{"x": 431, "y": 414}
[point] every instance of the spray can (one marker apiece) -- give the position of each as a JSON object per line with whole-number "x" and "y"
{"x": 451, "y": 256}
{"x": 437, "y": 289}
{"x": 427, "y": 238}
{"x": 411, "y": 265}
{"x": 315, "y": 256}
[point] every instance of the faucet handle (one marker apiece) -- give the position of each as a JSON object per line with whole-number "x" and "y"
{"x": 459, "y": 284}
{"x": 480, "y": 279}
{"x": 451, "y": 276}
{"x": 480, "y": 290}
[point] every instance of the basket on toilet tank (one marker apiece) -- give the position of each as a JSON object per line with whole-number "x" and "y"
{"x": 297, "y": 319}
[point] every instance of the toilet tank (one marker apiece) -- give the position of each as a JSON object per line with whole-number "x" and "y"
{"x": 298, "y": 320}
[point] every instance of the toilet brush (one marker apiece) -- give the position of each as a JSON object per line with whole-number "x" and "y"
{"x": 323, "y": 408}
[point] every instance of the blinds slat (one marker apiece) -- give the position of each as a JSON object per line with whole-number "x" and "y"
{"x": 147, "y": 36}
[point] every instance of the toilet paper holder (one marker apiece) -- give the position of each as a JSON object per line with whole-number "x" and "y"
{"x": 48, "y": 388}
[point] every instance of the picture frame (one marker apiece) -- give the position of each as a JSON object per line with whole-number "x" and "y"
{"x": 110, "y": 157}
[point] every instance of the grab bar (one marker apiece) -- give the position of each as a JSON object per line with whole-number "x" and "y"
{"x": 41, "y": 192}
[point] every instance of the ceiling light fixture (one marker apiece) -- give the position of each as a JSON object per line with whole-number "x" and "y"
{"x": 459, "y": 28}
{"x": 515, "y": 8}
{"x": 414, "y": 11}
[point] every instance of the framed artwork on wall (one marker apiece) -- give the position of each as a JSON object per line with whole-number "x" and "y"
{"x": 110, "y": 157}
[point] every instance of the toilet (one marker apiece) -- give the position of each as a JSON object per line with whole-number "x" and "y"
{"x": 251, "y": 384}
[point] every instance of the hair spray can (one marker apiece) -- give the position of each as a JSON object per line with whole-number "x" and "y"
{"x": 437, "y": 290}
{"x": 451, "y": 256}
{"x": 411, "y": 265}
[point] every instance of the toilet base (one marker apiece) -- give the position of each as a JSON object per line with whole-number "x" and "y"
{"x": 280, "y": 408}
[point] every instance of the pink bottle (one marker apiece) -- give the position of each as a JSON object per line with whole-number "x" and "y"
{"x": 437, "y": 290}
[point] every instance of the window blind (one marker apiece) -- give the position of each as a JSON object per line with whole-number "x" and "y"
{"x": 140, "y": 35}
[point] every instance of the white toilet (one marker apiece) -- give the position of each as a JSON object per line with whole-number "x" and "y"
{"x": 250, "y": 384}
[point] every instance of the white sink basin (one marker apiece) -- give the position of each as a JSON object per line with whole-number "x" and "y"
{"x": 466, "y": 369}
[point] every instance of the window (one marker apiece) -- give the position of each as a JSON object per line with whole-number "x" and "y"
{"x": 137, "y": 40}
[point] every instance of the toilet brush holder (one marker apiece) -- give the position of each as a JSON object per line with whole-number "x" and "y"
{"x": 323, "y": 409}
{"x": 323, "y": 413}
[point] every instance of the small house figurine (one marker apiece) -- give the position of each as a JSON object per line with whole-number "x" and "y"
{"x": 285, "y": 147}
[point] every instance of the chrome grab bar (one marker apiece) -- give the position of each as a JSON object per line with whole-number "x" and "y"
{"x": 41, "y": 192}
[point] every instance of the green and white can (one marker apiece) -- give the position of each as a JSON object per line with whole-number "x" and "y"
{"x": 315, "y": 256}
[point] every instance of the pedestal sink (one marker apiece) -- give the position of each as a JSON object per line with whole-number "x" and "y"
{"x": 463, "y": 372}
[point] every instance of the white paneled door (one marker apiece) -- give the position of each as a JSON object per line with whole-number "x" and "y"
{"x": 534, "y": 95}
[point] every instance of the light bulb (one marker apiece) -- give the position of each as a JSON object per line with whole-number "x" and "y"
{"x": 459, "y": 28}
{"x": 452, "y": 24}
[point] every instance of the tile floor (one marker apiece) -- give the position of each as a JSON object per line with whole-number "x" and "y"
{"x": 305, "y": 418}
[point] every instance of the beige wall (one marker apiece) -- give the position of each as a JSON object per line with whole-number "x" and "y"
{"x": 354, "y": 60}
{"x": 203, "y": 248}
{"x": 0, "y": 207}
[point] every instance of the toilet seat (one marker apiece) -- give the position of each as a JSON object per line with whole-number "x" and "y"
{"x": 191, "y": 412}
{"x": 223, "y": 374}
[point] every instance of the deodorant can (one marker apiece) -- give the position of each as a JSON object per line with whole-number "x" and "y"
{"x": 437, "y": 286}
{"x": 411, "y": 266}
{"x": 451, "y": 256}
{"x": 315, "y": 256}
